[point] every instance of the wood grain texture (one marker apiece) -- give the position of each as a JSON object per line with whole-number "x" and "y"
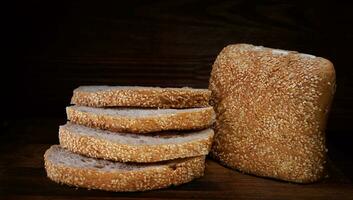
{"x": 56, "y": 46}
{"x": 22, "y": 175}
{"x": 59, "y": 46}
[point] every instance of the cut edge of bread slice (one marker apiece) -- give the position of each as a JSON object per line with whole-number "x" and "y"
{"x": 63, "y": 166}
{"x": 134, "y": 120}
{"x": 129, "y": 147}
{"x": 137, "y": 96}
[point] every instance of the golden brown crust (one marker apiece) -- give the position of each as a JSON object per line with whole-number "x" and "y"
{"x": 271, "y": 109}
{"x": 100, "y": 148}
{"x": 152, "y": 97}
{"x": 188, "y": 120}
{"x": 182, "y": 171}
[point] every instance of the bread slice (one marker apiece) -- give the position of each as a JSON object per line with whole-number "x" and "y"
{"x": 271, "y": 106}
{"x": 128, "y": 147}
{"x": 135, "y": 96}
{"x": 65, "y": 167}
{"x": 141, "y": 120}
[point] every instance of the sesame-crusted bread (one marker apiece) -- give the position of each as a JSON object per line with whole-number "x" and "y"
{"x": 66, "y": 167}
{"x": 271, "y": 107}
{"x": 136, "y": 120}
{"x": 129, "y": 147}
{"x": 136, "y": 96}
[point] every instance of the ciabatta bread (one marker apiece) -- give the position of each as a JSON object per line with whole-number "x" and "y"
{"x": 135, "y": 96}
{"x": 133, "y": 120}
{"x": 65, "y": 167}
{"x": 128, "y": 147}
{"x": 272, "y": 107}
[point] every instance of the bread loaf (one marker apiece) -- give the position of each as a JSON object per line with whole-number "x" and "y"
{"x": 65, "y": 167}
{"x": 128, "y": 147}
{"x": 141, "y": 120}
{"x": 135, "y": 96}
{"x": 271, "y": 107}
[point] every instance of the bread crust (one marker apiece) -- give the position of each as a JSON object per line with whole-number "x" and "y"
{"x": 149, "y": 97}
{"x": 101, "y": 148}
{"x": 271, "y": 108}
{"x": 189, "y": 120}
{"x": 172, "y": 173}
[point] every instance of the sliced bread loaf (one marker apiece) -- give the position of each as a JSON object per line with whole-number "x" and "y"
{"x": 141, "y": 120}
{"x": 63, "y": 166}
{"x": 129, "y": 147}
{"x": 135, "y": 96}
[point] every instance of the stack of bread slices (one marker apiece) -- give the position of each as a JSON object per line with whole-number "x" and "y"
{"x": 132, "y": 138}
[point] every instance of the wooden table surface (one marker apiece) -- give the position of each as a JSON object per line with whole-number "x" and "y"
{"x": 22, "y": 175}
{"x": 56, "y": 46}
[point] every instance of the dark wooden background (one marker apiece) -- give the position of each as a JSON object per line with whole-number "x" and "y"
{"x": 56, "y": 46}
